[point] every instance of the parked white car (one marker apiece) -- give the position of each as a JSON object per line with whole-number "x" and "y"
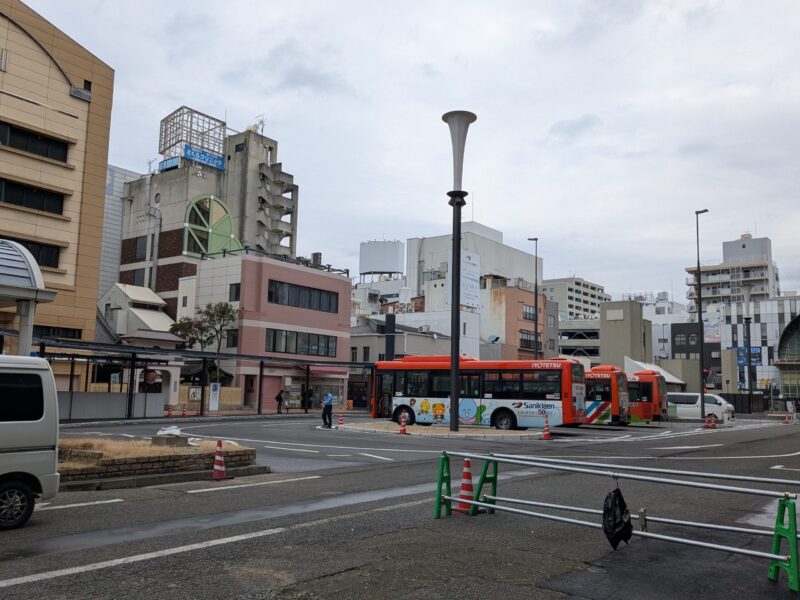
{"x": 28, "y": 437}
{"x": 686, "y": 405}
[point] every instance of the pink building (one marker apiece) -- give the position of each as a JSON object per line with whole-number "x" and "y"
{"x": 288, "y": 311}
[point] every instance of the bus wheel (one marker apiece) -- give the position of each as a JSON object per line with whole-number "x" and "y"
{"x": 505, "y": 419}
{"x": 398, "y": 415}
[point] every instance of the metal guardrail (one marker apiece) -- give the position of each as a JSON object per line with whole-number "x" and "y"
{"x": 489, "y": 475}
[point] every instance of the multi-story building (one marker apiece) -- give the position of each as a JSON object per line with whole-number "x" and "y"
{"x": 576, "y": 297}
{"x": 213, "y": 193}
{"x": 745, "y": 262}
{"x": 662, "y": 313}
{"x": 55, "y": 112}
{"x": 116, "y": 179}
{"x": 287, "y": 311}
{"x": 685, "y": 344}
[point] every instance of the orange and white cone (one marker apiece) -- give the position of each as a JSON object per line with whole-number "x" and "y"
{"x": 547, "y": 435}
{"x": 712, "y": 422}
{"x": 341, "y": 419}
{"x": 197, "y": 411}
{"x": 169, "y": 410}
{"x": 467, "y": 490}
{"x": 183, "y": 410}
{"x": 403, "y": 424}
{"x": 705, "y": 423}
{"x": 786, "y": 419}
{"x": 219, "y": 464}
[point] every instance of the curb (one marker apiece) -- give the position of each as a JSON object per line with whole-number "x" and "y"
{"x": 456, "y": 436}
{"x": 204, "y": 419}
{"x": 117, "y": 483}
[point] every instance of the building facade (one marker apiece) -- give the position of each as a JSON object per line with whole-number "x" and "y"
{"x": 212, "y": 194}
{"x": 287, "y": 312}
{"x": 745, "y": 262}
{"x": 116, "y": 178}
{"x": 662, "y": 313}
{"x": 576, "y": 297}
{"x": 55, "y": 111}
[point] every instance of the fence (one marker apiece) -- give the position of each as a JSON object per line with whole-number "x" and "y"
{"x": 785, "y": 523}
{"x": 744, "y": 405}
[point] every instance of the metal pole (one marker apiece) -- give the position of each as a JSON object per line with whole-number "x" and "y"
{"x": 131, "y": 385}
{"x": 86, "y": 380}
{"x": 749, "y": 361}
{"x": 203, "y": 386}
{"x": 306, "y": 399}
{"x": 655, "y": 470}
{"x": 260, "y": 384}
{"x": 535, "y": 296}
{"x": 700, "y": 327}
{"x": 456, "y": 201}
{"x": 615, "y": 475}
{"x": 71, "y": 384}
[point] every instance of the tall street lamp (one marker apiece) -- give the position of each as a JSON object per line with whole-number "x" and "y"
{"x": 535, "y": 241}
{"x": 700, "y": 327}
{"x": 748, "y": 357}
{"x": 458, "y": 121}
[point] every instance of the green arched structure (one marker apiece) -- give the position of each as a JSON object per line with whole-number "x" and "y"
{"x": 208, "y": 227}
{"x": 789, "y": 360}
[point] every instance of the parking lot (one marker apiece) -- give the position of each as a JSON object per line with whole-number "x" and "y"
{"x": 348, "y": 514}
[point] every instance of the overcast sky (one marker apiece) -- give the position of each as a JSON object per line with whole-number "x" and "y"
{"x": 602, "y": 125}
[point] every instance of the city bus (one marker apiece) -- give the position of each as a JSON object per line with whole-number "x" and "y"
{"x": 647, "y": 393}
{"x": 607, "y": 396}
{"x": 507, "y": 394}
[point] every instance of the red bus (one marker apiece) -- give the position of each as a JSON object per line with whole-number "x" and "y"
{"x": 506, "y": 394}
{"x": 607, "y": 396}
{"x": 647, "y": 391}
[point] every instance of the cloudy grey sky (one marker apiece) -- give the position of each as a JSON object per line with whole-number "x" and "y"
{"x": 602, "y": 125}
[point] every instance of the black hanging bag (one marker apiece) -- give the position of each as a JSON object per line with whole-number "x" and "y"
{"x": 616, "y": 519}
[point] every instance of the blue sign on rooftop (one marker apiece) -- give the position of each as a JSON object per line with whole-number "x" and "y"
{"x": 204, "y": 157}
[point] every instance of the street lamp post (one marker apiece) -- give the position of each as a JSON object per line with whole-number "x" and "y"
{"x": 700, "y": 328}
{"x": 458, "y": 121}
{"x": 748, "y": 357}
{"x": 535, "y": 241}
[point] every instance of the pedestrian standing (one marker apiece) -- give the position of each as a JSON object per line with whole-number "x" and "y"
{"x": 279, "y": 400}
{"x": 327, "y": 411}
{"x": 791, "y": 408}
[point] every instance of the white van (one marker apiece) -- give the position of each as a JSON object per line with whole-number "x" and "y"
{"x": 686, "y": 405}
{"x": 28, "y": 437}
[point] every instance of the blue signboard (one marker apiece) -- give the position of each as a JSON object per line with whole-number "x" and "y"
{"x": 755, "y": 356}
{"x": 204, "y": 156}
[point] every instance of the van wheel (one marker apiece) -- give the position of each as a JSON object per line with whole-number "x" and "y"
{"x": 16, "y": 504}
{"x": 505, "y": 419}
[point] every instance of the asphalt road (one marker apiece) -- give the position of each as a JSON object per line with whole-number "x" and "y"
{"x": 349, "y": 515}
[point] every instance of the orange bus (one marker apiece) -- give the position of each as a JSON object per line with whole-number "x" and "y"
{"x": 506, "y": 394}
{"x": 607, "y": 396}
{"x": 647, "y": 391}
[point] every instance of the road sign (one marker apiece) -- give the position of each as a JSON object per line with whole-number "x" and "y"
{"x": 213, "y": 400}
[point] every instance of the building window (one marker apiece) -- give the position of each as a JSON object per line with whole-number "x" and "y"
{"x": 528, "y": 312}
{"x": 44, "y": 254}
{"x": 660, "y": 310}
{"x": 551, "y": 344}
{"x": 35, "y": 143}
{"x": 232, "y": 338}
{"x": 353, "y": 354}
{"x": 184, "y": 301}
{"x": 208, "y": 228}
{"x": 680, "y": 339}
{"x": 58, "y": 332}
{"x": 692, "y": 339}
{"x": 527, "y": 340}
{"x": 138, "y": 277}
{"x": 141, "y": 247}
{"x": 365, "y": 353}
{"x": 107, "y": 311}
{"x": 551, "y": 321}
{"x": 300, "y": 296}
{"x": 28, "y": 196}
{"x": 663, "y": 340}
{"x": 298, "y": 342}
{"x": 381, "y": 356}
{"x": 233, "y": 292}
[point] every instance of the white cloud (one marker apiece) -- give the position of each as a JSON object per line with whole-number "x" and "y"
{"x": 601, "y": 126}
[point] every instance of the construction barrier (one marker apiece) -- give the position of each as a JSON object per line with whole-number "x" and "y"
{"x": 785, "y": 521}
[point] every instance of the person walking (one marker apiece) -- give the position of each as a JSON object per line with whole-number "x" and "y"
{"x": 279, "y": 400}
{"x": 327, "y": 411}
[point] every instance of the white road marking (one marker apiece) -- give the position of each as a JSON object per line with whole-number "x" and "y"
{"x": 79, "y": 504}
{"x": 291, "y": 449}
{"x": 688, "y": 447}
{"x": 199, "y": 546}
{"x": 378, "y": 457}
{"x": 339, "y": 455}
{"x": 782, "y": 468}
{"x": 246, "y": 485}
{"x": 212, "y": 437}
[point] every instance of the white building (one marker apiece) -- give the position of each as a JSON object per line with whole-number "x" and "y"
{"x": 745, "y": 262}
{"x": 576, "y": 297}
{"x": 662, "y": 313}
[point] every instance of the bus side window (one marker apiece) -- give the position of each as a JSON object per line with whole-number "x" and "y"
{"x": 417, "y": 384}
{"x": 470, "y": 386}
{"x": 399, "y": 383}
{"x": 491, "y": 384}
{"x": 440, "y": 385}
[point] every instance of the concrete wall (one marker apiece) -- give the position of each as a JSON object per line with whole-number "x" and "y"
{"x": 112, "y": 226}
{"x": 687, "y": 371}
{"x": 624, "y": 332}
{"x": 104, "y": 405}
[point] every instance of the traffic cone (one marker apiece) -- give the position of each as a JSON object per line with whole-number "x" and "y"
{"x": 169, "y": 410}
{"x": 712, "y": 422}
{"x": 197, "y": 411}
{"x": 403, "y": 424}
{"x": 786, "y": 419}
{"x": 218, "y": 473}
{"x": 547, "y": 435}
{"x": 341, "y": 419}
{"x": 705, "y": 423}
{"x": 467, "y": 491}
{"x": 183, "y": 410}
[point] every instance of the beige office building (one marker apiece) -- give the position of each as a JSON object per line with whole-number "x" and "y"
{"x": 55, "y": 112}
